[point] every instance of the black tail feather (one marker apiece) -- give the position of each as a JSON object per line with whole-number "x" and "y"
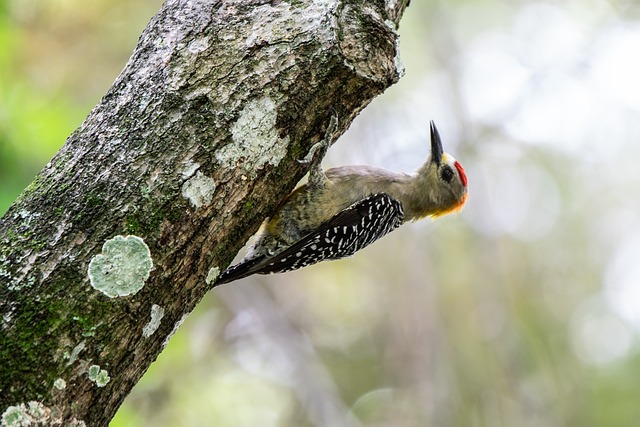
{"x": 239, "y": 271}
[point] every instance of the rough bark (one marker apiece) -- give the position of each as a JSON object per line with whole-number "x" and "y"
{"x": 126, "y": 228}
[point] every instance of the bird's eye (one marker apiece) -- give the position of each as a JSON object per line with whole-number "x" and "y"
{"x": 447, "y": 174}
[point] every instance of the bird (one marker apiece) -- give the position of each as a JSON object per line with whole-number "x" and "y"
{"x": 344, "y": 209}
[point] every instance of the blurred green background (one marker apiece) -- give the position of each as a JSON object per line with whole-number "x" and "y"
{"x": 523, "y": 310}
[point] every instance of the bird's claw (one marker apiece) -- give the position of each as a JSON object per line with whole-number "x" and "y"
{"x": 323, "y": 144}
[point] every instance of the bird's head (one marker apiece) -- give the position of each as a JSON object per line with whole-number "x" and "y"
{"x": 446, "y": 181}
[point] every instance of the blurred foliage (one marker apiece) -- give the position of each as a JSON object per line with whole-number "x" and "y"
{"x": 523, "y": 310}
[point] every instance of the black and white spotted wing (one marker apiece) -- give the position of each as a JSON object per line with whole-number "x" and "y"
{"x": 343, "y": 235}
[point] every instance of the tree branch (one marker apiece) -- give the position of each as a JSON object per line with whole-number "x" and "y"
{"x": 126, "y": 228}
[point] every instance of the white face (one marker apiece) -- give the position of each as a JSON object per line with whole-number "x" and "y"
{"x": 451, "y": 192}
{"x": 448, "y": 159}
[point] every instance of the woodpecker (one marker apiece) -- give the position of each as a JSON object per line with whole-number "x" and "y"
{"x": 340, "y": 211}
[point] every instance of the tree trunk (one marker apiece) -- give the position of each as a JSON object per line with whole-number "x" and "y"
{"x": 126, "y": 228}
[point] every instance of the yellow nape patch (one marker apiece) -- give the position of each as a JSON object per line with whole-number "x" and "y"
{"x": 452, "y": 209}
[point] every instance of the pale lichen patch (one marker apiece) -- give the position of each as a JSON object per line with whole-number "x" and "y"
{"x": 190, "y": 168}
{"x": 157, "y": 313}
{"x": 212, "y": 275}
{"x": 397, "y": 59}
{"x": 256, "y": 141}
{"x": 73, "y": 356}
{"x": 122, "y": 268}
{"x": 99, "y": 376}
{"x": 199, "y": 189}
{"x": 16, "y": 416}
{"x": 175, "y": 329}
{"x": 60, "y": 384}
{"x": 32, "y": 414}
{"x": 198, "y": 45}
{"x": 27, "y": 216}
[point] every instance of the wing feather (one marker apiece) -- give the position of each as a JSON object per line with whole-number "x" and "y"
{"x": 343, "y": 235}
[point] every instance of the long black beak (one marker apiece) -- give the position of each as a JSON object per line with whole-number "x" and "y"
{"x": 436, "y": 144}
